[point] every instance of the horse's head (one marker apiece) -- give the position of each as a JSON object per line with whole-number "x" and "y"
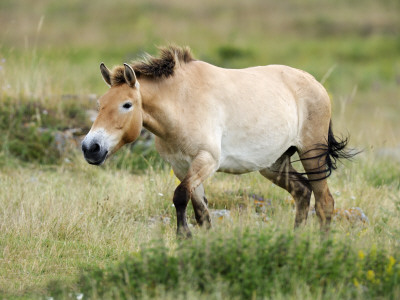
{"x": 119, "y": 120}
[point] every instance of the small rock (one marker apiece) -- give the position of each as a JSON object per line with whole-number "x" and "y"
{"x": 67, "y": 139}
{"x": 220, "y": 214}
{"x": 79, "y": 296}
{"x": 353, "y": 215}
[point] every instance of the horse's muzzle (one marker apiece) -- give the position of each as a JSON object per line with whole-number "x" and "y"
{"x": 93, "y": 152}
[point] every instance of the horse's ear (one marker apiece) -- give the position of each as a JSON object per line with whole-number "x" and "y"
{"x": 105, "y": 73}
{"x": 130, "y": 76}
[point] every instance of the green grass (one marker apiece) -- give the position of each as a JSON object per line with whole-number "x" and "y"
{"x": 67, "y": 227}
{"x": 248, "y": 263}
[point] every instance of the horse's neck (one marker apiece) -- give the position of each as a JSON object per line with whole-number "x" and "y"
{"x": 152, "y": 113}
{"x": 160, "y": 101}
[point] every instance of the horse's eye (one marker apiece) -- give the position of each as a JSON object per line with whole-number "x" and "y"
{"x": 127, "y": 105}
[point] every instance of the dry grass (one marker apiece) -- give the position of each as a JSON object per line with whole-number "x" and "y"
{"x": 55, "y": 220}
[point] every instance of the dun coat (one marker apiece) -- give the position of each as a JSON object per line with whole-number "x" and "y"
{"x": 208, "y": 119}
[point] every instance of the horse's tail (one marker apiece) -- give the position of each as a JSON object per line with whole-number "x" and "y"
{"x": 331, "y": 152}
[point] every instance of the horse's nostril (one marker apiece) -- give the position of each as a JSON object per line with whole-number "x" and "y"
{"x": 94, "y": 148}
{"x": 84, "y": 148}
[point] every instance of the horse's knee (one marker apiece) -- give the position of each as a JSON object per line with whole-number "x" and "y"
{"x": 181, "y": 197}
{"x": 324, "y": 207}
{"x": 302, "y": 195}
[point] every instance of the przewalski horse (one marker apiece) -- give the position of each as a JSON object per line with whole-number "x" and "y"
{"x": 208, "y": 119}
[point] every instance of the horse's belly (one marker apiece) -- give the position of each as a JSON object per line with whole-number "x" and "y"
{"x": 236, "y": 164}
{"x": 248, "y": 159}
{"x": 258, "y": 149}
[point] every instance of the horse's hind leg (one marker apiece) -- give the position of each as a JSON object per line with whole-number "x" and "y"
{"x": 316, "y": 169}
{"x": 285, "y": 176}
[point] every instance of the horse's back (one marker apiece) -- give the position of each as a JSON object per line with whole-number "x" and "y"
{"x": 246, "y": 117}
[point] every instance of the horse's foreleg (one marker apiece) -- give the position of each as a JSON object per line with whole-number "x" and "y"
{"x": 201, "y": 167}
{"x": 181, "y": 198}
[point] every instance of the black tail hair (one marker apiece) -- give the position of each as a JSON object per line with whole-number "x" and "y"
{"x": 332, "y": 151}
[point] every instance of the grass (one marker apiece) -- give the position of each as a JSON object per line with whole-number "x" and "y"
{"x": 247, "y": 264}
{"x": 60, "y": 221}
{"x": 45, "y": 220}
{"x": 68, "y": 228}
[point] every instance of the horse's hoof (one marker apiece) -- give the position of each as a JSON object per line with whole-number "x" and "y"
{"x": 183, "y": 234}
{"x": 205, "y": 223}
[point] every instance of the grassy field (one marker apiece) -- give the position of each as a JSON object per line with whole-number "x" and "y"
{"x": 67, "y": 228}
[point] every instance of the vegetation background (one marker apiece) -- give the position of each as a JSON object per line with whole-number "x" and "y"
{"x": 70, "y": 230}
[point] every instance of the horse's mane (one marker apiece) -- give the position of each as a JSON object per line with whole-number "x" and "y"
{"x": 155, "y": 67}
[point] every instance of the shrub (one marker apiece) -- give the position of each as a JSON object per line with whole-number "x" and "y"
{"x": 22, "y": 133}
{"x": 248, "y": 264}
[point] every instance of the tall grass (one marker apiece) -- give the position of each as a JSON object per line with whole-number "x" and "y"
{"x": 249, "y": 263}
{"x": 57, "y": 221}
{"x": 67, "y": 227}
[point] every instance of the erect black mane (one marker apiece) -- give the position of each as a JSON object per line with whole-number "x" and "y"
{"x": 155, "y": 67}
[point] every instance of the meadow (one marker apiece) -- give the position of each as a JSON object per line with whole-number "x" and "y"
{"x": 69, "y": 230}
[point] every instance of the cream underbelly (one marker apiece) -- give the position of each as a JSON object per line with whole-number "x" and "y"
{"x": 249, "y": 160}
{"x": 256, "y": 150}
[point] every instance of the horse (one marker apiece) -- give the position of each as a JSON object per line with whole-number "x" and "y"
{"x": 208, "y": 119}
